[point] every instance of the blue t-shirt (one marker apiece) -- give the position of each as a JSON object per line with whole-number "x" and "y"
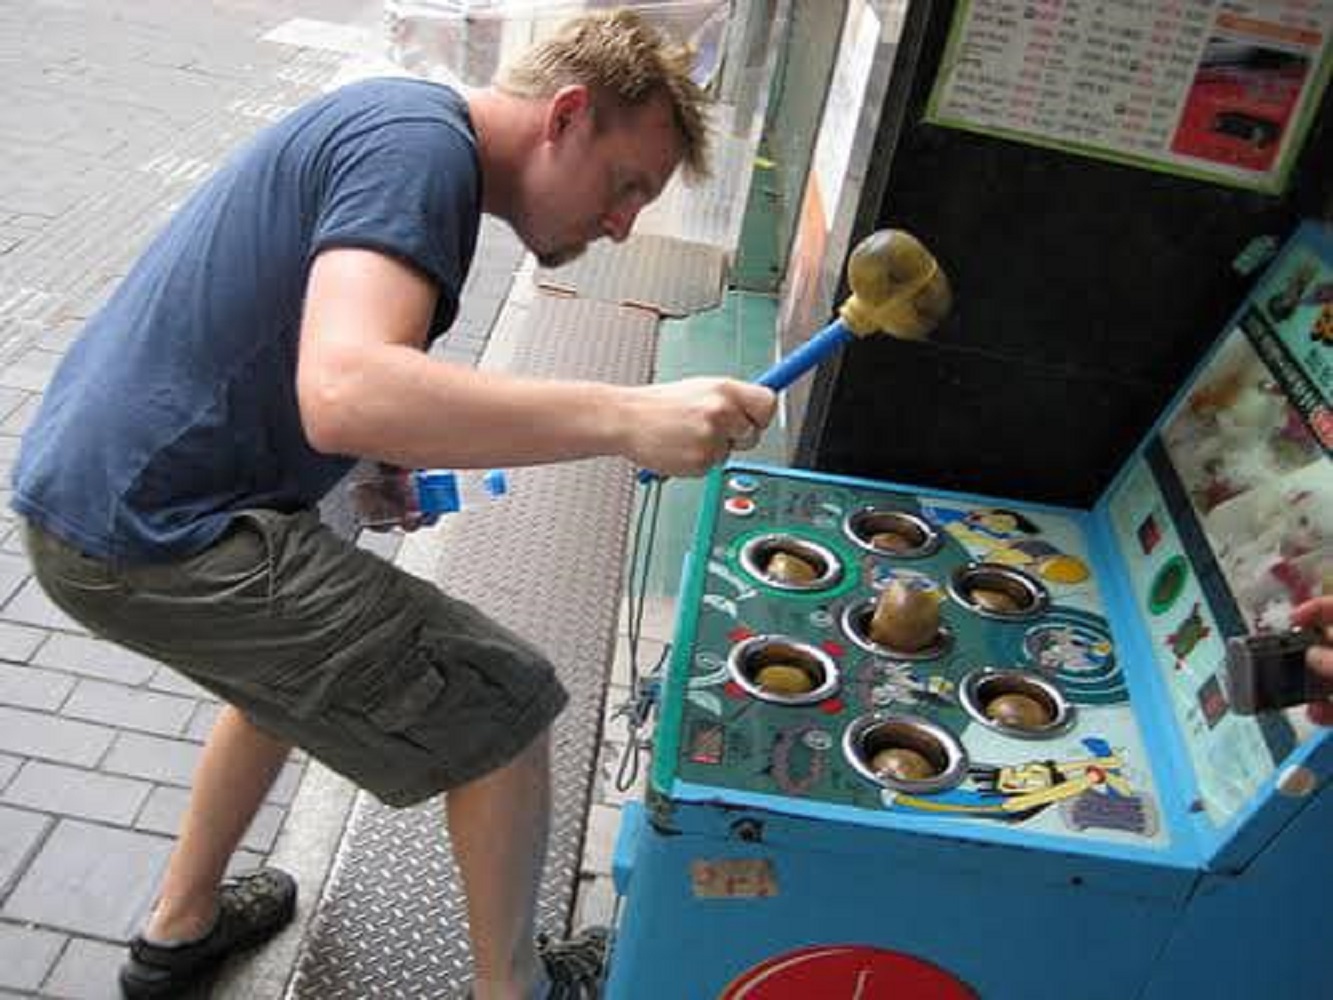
{"x": 177, "y": 406}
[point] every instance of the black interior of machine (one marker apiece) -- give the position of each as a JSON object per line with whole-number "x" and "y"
{"x": 1085, "y": 293}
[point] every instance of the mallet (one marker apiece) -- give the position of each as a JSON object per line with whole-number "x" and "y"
{"x": 898, "y": 288}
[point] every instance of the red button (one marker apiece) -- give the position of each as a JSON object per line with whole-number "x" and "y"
{"x": 740, "y": 506}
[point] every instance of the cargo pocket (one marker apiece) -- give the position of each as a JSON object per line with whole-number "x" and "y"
{"x": 448, "y": 696}
{"x": 399, "y": 710}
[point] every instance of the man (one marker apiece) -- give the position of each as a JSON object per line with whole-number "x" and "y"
{"x": 270, "y": 335}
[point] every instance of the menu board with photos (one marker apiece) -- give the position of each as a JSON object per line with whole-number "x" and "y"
{"x": 1214, "y": 89}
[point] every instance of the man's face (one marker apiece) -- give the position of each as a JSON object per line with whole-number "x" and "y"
{"x": 589, "y": 182}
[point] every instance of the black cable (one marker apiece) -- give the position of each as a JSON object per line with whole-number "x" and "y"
{"x": 645, "y": 536}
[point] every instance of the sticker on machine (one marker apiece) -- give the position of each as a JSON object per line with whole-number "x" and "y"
{"x": 855, "y": 972}
{"x": 733, "y": 878}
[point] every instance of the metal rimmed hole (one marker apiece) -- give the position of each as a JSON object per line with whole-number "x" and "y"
{"x": 1019, "y": 703}
{"x": 904, "y": 752}
{"x": 998, "y": 592}
{"x": 892, "y": 532}
{"x": 791, "y": 563}
{"x": 856, "y": 620}
{"x": 782, "y": 670}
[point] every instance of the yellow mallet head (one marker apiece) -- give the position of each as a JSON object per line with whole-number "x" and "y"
{"x": 898, "y": 287}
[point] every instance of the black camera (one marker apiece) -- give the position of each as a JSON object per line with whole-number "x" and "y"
{"x": 1267, "y": 672}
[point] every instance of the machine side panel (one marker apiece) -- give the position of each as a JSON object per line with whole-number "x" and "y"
{"x": 1263, "y": 932}
{"x": 1223, "y": 521}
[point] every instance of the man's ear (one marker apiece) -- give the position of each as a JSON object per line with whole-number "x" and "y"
{"x": 567, "y": 105}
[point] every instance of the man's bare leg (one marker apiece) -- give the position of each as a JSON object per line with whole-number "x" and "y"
{"x": 498, "y": 827}
{"x": 239, "y": 765}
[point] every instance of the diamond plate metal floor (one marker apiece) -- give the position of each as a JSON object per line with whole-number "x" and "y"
{"x": 669, "y": 276}
{"x": 547, "y": 562}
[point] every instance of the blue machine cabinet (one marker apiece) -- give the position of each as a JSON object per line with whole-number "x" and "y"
{"x": 1045, "y": 793}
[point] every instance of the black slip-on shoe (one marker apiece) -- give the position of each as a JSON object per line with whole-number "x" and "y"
{"x": 251, "y": 909}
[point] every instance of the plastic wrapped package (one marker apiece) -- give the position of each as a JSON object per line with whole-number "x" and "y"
{"x": 467, "y": 41}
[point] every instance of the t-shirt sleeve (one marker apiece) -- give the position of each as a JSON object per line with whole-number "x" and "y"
{"x": 407, "y": 188}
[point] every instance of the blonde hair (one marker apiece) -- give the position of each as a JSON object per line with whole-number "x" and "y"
{"x": 626, "y": 63}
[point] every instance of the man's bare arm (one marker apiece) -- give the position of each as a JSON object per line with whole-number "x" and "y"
{"x": 366, "y": 389}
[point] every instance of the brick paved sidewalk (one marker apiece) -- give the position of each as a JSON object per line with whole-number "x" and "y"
{"x": 112, "y": 112}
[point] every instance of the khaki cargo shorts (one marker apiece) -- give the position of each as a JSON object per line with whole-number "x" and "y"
{"x": 374, "y": 672}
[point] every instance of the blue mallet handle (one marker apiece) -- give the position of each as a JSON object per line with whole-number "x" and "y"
{"x": 823, "y": 344}
{"x": 812, "y": 352}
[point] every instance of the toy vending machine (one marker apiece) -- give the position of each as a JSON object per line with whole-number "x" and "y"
{"x": 916, "y": 744}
